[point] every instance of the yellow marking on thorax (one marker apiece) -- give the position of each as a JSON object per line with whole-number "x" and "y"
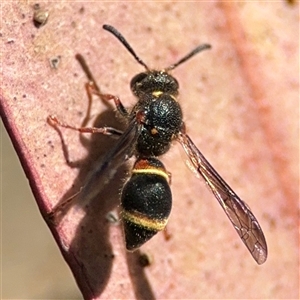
{"x": 173, "y": 97}
{"x": 154, "y": 131}
{"x": 157, "y": 93}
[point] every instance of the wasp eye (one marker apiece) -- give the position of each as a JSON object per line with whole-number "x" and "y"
{"x": 136, "y": 80}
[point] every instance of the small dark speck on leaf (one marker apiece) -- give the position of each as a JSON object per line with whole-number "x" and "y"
{"x": 36, "y": 6}
{"x": 112, "y": 217}
{"x": 54, "y": 61}
{"x": 109, "y": 256}
{"x": 40, "y": 16}
{"x": 145, "y": 260}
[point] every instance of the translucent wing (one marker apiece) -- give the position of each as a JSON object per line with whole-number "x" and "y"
{"x": 103, "y": 171}
{"x": 107, "y": 166}
{"x": 236, "y": 210}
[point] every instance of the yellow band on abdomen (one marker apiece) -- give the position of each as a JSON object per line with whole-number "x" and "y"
{"x": 143, "y": 221}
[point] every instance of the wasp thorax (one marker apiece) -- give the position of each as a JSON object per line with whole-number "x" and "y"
{"x": 163, "y": 121}
{"x": 154, "y": 81}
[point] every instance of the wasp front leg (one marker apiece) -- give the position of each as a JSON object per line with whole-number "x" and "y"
{"x": 91, "y": 89}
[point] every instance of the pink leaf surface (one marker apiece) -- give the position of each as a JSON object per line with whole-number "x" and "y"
{"x": 239, "y": 102}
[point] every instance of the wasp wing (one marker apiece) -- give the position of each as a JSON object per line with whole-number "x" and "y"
{"x": 107, "y": 167}
{"x": 236, "y": 210}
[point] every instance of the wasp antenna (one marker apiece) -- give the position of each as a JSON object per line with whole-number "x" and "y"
{"x": 188, "y": 56}
{"x": 121, "y": 38}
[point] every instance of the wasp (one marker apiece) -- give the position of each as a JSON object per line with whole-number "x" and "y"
{"x": 154, "y": 122}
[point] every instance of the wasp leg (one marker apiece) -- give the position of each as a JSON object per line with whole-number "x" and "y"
{"x": 120, "y": 107}
{"x": 92, "y": 89}
{"x": 57, "y": 212}
{"x": 88, "y": 86}
{"x": 54, "y": 122}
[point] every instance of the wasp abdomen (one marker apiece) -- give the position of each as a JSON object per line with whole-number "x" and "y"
{"x": 146, "y": 202}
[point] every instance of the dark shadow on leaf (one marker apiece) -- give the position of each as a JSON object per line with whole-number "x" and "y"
{"x": 140, "y": 282}
{"x": 91, "y": 246}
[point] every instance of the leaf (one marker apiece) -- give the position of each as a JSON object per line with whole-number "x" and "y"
{"x": 239, "y": 104}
